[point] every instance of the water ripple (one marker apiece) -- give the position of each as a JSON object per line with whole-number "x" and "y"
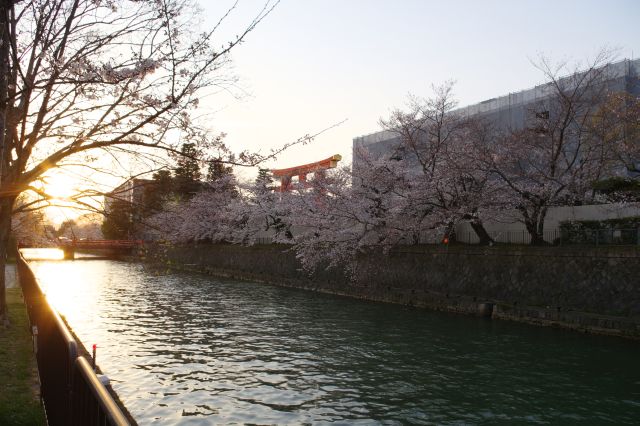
{"x": 188, "y": 349}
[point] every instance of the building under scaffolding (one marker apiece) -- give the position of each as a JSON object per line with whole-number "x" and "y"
{"x": 509, "y": 111}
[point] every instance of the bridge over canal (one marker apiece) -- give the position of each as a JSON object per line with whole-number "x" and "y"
{"x": 69, "y": 247}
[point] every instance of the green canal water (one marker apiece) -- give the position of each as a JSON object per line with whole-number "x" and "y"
{"x": 190, "y": 349}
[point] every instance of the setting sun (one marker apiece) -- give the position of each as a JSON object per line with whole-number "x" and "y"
{"x": 59, "y": 186}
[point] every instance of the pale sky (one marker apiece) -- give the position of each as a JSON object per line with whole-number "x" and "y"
{"x": 313, "y": 63}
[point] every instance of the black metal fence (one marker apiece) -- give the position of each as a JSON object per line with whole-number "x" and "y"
{"x": 521, "y": 237}
{"x": 71, "y": 391}
{"x": 562, "y": 237}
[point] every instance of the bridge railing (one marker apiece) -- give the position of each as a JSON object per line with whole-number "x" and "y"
{"x": 71, "y": 391}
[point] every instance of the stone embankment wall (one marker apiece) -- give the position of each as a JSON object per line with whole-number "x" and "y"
{"x": 596, "y": 290}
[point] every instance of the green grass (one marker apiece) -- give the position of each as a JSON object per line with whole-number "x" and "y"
{"x": 19, "y": 401}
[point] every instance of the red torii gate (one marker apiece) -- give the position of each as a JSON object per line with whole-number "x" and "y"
{"x": 285, "y": 175}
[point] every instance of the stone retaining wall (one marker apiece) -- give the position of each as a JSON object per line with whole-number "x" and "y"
{"x": 596, "y": 290}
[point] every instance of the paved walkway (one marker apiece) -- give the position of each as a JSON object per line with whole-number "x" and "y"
{"x": 10, "y": 276}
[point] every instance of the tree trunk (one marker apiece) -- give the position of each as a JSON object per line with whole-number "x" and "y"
{"x": 6, "y": 209}
{"x": 483, "y": 235}
{"x": 537, "y": 240}
{"x": 535, "y": 226}
{"x": 478, "y": 228}
{"x": 540, "y": 226}
{"x": 450, "y": 232}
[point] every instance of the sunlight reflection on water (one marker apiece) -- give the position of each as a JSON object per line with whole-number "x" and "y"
{"x": 190, "y": 349}
{"x": 43, "y": 253}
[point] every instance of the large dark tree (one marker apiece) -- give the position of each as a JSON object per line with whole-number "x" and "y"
{"x": 118, "y": 223}
{"x": 220, "y": 178}
{"x": 187, "y": 172}
{"x": 217, "y": 169}
{"x": 157, "y": 192}
{"x": 80, "y": 78}
{"x": 264, "y": 181}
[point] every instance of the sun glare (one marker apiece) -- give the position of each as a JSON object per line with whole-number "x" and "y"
{"x": 59, "y": 186}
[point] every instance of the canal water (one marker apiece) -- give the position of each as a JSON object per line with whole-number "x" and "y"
{"x": 189, "y": 349}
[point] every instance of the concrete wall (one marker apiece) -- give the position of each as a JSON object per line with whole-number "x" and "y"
{"x": 596, "y": 290}
{"x": 507, "y": 228}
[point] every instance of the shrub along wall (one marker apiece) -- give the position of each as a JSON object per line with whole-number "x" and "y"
{"x": 608, "y": 231}
{"x": 595, "y": 290}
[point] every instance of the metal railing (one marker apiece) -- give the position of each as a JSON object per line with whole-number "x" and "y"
{"x": 563, "y": 237}
{"x": 521, "y": 237}
{"x": 71, "y": 391}
{"x": 91, "y": 403}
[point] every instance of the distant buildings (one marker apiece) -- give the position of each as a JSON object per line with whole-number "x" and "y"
{"x": 132, "y": 192}
{"x": 509, "y": 111}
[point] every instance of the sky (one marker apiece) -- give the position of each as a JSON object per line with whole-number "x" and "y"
{"x": 313, "y": 63}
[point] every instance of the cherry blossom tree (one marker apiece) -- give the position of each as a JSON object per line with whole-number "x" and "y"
{"x": 444, "y": 168}
{"x": 84, "y": 78}
{"x": 208, "y": 216}
{"x": 266, "y": 213}
{"x": 339, "y": 216}
{"x": 555, "y": 158}
{"x": 29, "y": 226}
{"x": 421, "y": 188}
{"x": 225, "y": 211}
{"x": 445, "y": 185}
{"x": 327, "y": 221}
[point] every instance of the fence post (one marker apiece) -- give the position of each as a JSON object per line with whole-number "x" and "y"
{"x": 72, "y": 352}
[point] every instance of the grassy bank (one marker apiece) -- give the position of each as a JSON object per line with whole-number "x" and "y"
{"x": 19, "y": 401}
